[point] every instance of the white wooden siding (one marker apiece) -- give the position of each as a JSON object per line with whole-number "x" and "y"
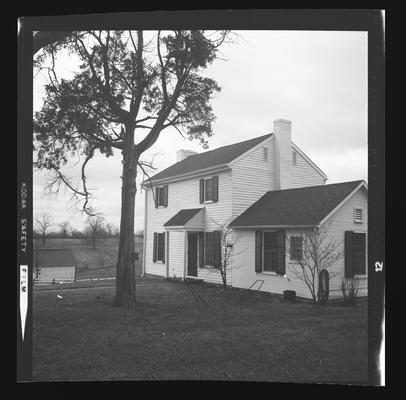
{"x": 176, "y": 254}
{"x": 343, "y": 220}
{"x": 184, "y": 195}
{"x": 252, "y": 176}
{"x": 304, "y": 174}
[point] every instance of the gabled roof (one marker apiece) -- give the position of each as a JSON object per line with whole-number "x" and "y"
{"x": 305, "y": 206}
{"x": 182, "y": 217}
{"x": 54, "y": 257}
{"x": 209, "y": 159}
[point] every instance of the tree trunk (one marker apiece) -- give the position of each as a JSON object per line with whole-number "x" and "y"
{"x": 43, "y": 240}
{"x": 125, "y": 275}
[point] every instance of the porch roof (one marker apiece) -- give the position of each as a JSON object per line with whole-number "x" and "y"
{"x": 182, "y": 217}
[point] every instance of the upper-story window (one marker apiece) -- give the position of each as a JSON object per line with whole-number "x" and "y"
{"x": 161, "y": 196}
{"x": 265, "y": 150}
{"x": 209, "y": 189}
{"x": 294, "y": 158}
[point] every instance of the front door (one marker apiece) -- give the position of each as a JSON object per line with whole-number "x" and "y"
{"x": 192, "y": 254}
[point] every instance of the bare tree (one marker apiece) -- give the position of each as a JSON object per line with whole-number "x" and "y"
{"x": 95, "y": 226}
{"x": 64, "y": 229}
{"x": 43, "y": 222}
{"x": 318, "y": 253}
{"x": 127, "y": 91}
{"x": 228, "y": 239}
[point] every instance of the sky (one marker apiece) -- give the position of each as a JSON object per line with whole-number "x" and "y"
{"x": 316, "y": 79}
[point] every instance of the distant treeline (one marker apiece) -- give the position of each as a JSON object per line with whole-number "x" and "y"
{"x": 85, "y": 234}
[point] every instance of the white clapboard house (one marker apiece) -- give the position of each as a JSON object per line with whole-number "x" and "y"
{"x": 271, "y": 194}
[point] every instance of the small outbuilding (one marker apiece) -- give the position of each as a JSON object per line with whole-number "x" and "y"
{"x": 54, "y": 265}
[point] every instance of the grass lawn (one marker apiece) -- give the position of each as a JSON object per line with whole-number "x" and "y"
{"x": 238, "y": 335}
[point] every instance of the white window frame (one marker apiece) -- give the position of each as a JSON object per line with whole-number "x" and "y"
{"x": 263, "y": 253}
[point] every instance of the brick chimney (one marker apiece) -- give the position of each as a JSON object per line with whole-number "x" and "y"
{"x": 282, "y": 133}
{"x": 182, "y": 154}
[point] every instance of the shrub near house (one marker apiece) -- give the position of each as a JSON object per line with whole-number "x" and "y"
{"x": 273, "y": 194}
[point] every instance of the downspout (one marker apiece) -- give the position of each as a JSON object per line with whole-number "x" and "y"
{"x": 144, "y": 244}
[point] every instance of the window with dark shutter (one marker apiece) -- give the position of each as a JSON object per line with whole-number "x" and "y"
{"x": 201, "y": 249}
{"x": 154, "y": 247}
{"x": 161, "y": 247}
{"x": 161, "y": 196}
{"x": 209, "y": 248}
{"x": 348, "y": 259}
{"x": 270, "y": 249}
{"x": 156, "y": 197}
{"x": 258, "y": 251}
{"x": 201, "y": 192}
{"x": 359, "y": 253}
{"x": 208, "y": 189}
{"x": 281, "y": 247}
{"x": 165, "y": 200}
{"x": 217, "y": 249}
{"x": 215, "y": 188}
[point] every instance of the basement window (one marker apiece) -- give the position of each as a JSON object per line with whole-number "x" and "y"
{"x": 358, "y": 215}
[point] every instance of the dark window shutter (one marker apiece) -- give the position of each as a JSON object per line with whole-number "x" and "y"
{"x": 291, "y": 250}
{"x": 167, "y": 247}
{"x": 166, "y": 196}
{"x": 163, "y": 246}
{"x": 364, "y": 255}
{"x": 154, "y": 247}
{"x": 348, "y": 246}
{"x": 156, "y": 197}
{"x": 258, "y": 251}
{"x": 201, "y": 191}
{"x": 215, "y": 188}
{"x": 281, "y": 247}
{"x": 217, "y": 249}
{"x": 201, "y": 249}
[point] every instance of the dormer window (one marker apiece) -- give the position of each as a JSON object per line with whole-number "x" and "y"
{"x": 265, "y": 149}
{"x": 358, "y": 215}
{"x": 294, "y": 158}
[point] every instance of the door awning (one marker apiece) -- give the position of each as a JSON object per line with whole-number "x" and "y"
{"x": 192, "y": 218}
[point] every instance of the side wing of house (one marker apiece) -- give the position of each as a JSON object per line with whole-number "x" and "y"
{"x": 349, "y": 216}
{"x": 181, "y": 195}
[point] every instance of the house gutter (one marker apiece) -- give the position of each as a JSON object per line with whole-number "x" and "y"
{"x": 272, "y": 226}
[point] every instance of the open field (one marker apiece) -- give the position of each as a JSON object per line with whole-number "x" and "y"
{"x": 94, "y": 263}
{"x": 173, "y": 334}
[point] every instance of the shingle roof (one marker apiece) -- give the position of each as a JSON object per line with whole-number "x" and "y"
{"x": 207, "y": 159}
{"x": 182, "y": 217}
{"x": 54, "y": 257}
{"x": 301, "y": 206}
